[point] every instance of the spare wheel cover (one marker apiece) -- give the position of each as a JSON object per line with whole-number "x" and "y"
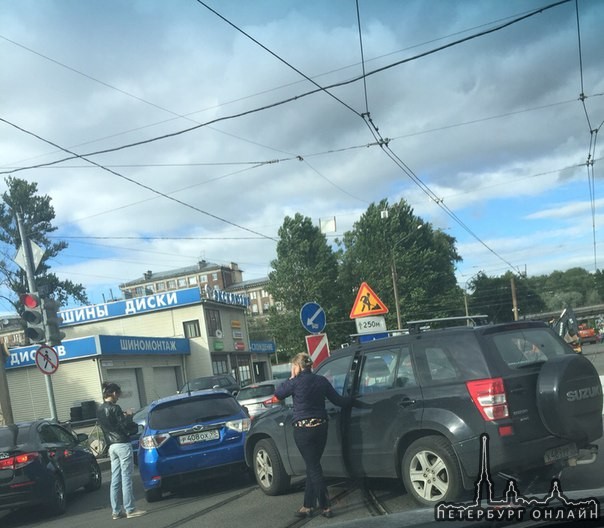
{"x": 569, "y": 398}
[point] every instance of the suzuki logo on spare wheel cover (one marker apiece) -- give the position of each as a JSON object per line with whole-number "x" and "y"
{"x": 312, "y": 317}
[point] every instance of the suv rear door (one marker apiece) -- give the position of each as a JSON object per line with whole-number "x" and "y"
{"x": 387, "y": 382}
{"x": 535, "y": 366}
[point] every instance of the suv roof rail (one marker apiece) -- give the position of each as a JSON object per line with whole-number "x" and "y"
{"x": 424, "y": 324}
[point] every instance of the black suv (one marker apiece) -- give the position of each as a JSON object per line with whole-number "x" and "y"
{"x": 218, "y": 381}
{"x": 429, "y": 397}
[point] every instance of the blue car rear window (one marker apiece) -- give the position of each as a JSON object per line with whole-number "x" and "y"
{"x": 190, "y": 411}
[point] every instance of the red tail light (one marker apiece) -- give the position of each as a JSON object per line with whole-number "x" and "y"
{"x": 19, "y": 461}
{"x": 489, "y": 397}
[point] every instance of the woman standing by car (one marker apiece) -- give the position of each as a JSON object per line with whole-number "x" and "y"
{"x": 310, "y": 427}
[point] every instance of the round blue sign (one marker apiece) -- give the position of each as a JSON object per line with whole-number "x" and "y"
{"x": 312, "y": 317}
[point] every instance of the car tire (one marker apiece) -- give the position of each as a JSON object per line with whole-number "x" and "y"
{"x": 268, "y": 468}
{"x": 57, "y": 504}
{"x": 153, "y": 495}
{"x": 431, "y": 472}
{"x": 95, "y": 477}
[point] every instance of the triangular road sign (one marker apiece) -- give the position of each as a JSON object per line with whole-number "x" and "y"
{"x": 367, "y": 303}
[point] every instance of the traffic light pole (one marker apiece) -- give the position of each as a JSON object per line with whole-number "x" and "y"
{"x": 31, "y": 284}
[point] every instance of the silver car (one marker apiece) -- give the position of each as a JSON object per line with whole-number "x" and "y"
{"x": 257, "y": 397}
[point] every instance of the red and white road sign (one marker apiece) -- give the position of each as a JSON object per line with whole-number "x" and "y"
{"x": 47, "y": 359}
{"x": 317, "y": 347}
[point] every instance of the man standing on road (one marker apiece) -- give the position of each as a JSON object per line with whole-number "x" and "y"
{"x": 115, "y": 426}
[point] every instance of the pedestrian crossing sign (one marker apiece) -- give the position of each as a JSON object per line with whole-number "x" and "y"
{"x": 367, "y": 303}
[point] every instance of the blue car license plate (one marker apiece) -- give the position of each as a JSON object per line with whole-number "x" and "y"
{"x": 202, "y": 436}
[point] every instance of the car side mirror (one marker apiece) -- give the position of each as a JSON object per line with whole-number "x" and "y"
{"x": 82, "y": 437}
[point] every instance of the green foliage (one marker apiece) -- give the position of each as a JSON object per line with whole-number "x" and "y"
{"x": 401, "y": 249}
{"x": 305, "y": 270}
{"x": 37, "y": 215}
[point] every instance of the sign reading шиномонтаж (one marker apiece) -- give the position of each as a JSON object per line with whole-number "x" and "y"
{"x": 101, "y": 345}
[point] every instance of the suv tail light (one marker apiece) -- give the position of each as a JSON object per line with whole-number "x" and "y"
{"x": 153, "y": 441}
{"x": 489, "y": 397}
{"x": 19, "y": 461}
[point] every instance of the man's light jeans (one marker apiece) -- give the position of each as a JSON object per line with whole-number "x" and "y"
{"x": 122, "y": 466}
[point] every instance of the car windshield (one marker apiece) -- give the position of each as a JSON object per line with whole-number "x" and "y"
{"x": 191, "y": 411}
{"x": 13, "y": 436}
{"x": 258, "y": 391}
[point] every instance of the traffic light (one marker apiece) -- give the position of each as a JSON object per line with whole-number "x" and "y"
{"x": 33, "y": 316}
{"x": 53, "y": 322}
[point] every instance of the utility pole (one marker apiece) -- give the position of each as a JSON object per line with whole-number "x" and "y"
{"x": 514, "y": 300}
{"x": 31, "y": 284}
{"x": 395, "y": 288}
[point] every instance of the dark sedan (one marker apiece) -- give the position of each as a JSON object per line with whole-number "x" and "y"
{"x": 41, "y": 462}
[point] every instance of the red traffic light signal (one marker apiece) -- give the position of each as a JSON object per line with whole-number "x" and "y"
{"x": 34, "y": 317}
{"x": 30, "y": 300}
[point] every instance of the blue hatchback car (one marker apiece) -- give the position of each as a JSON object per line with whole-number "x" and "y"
{"x": 189, "y": 437}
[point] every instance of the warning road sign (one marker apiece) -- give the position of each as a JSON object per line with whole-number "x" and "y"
{"x": 367, "y": 303}
{"x": 47, "y": 359}
{"x": 318, "y": 348}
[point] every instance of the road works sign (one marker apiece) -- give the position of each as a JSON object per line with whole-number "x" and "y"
{"x": 318, "y": 348}
{"x": 367, "y": 303}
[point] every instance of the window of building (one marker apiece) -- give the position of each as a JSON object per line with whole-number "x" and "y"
{"x": 220, "y": 366}
{"x": 213, "y": 322}
{"x": 191, "y": 329}
{"x": 182, "y": 283}
{"x": 214, "y": 276}
{"x": 192, "y": 281}
{"x": 172, "y": 284}
{"x": 203, "y": 279}
{"x": 253, "y": 295}
{"x": 254, "y": 308}
{"x": 160, "y": 286}
{"x": 265, "y": 306}
{"x": 264, "y": 294}
{"x": 139, "y": 290}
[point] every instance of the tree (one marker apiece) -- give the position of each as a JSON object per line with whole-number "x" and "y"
{"x": 390, "y": 245}
{"x": 37, "y": 215}
{"x": 493, "y": 296}
{"x": 305, "y": 270}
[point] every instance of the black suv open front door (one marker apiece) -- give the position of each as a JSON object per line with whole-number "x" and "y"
{"x": 387, "y": 383}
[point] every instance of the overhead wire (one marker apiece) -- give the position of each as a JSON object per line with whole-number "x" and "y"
{"x": 593, "y": 134}
{"x": 142, "y": 185}
{"x": 295, "y": 97}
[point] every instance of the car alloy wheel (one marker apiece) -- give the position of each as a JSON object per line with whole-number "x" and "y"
{"x": 268, "y": 468}
{"x": 58, "y": 499}
{"x": 95, "y": 477}
{"x": 430, "y": 471}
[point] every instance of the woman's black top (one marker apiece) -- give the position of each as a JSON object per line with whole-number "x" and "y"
{"x": 309, "y": 392}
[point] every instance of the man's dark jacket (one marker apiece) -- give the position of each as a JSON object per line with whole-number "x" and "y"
{"x": 114, "y": 423}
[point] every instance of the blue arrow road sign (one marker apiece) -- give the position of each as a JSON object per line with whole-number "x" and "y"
{"x": 312, "y": 317}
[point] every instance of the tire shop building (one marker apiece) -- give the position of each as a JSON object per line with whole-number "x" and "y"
{"x": 149, "y": 345}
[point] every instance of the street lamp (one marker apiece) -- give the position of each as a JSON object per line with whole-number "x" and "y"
{"x": 399, "y": 323}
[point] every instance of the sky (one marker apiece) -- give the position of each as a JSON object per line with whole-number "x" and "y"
{"x": 219, "y": 119}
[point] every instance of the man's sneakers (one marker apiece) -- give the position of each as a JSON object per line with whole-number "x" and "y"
{"x": 135, "y": 513}
{"x": 116, "y": 516}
